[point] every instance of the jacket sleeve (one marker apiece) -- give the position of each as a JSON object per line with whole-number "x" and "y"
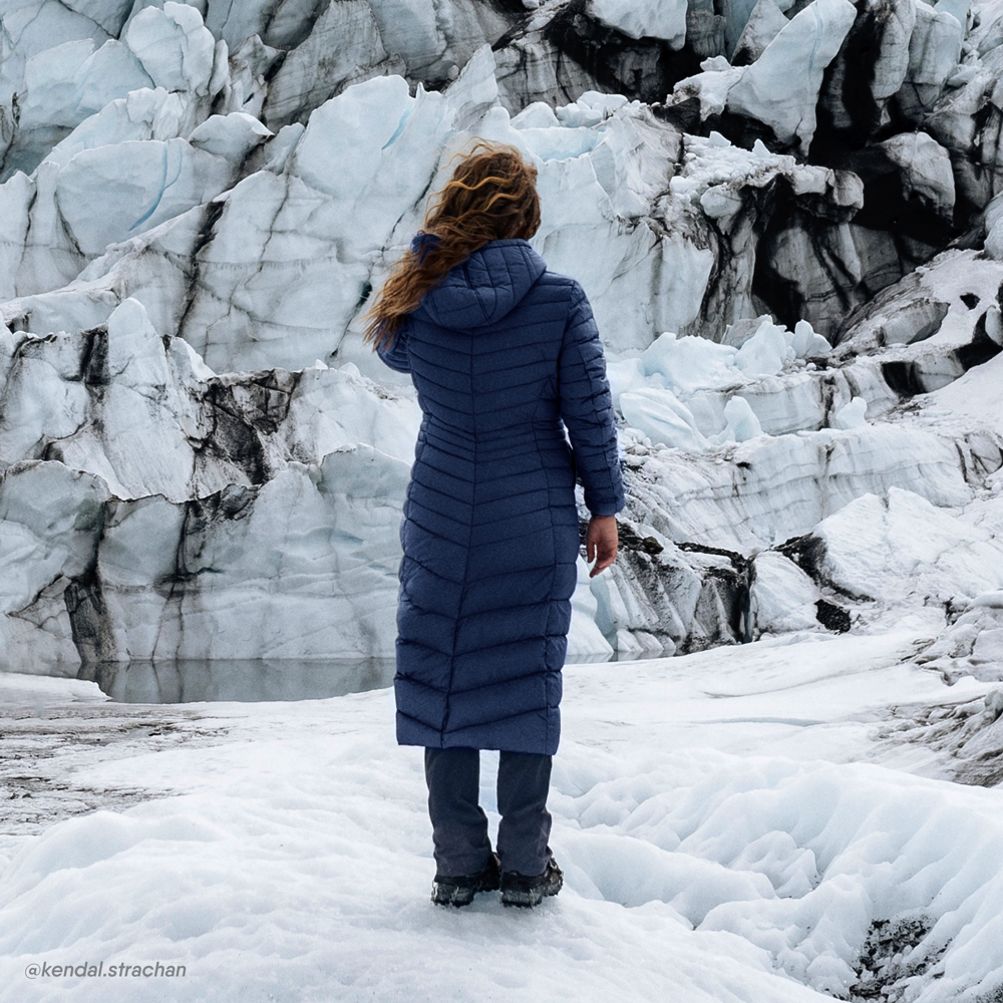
{"x": 586, "y": 407}
{"x": 396, "y": 355}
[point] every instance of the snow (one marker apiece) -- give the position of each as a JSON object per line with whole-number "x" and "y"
{"x": 729, "y": 825}
{"x": 40, "y": 691}
{"x": 975, "y": 394}
{"x": 892, "y": 62}
{"x": 902, "y": 545}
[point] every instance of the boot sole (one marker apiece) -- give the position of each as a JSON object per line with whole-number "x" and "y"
{"x": 446, "y": 893}
{"x": 528, "y": 899}
{"x": 457, "y": 897}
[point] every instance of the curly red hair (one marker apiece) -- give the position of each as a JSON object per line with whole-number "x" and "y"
{"x": 491, "y": 196}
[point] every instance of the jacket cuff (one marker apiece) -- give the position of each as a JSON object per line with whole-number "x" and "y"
{"x": 607, "y": 508}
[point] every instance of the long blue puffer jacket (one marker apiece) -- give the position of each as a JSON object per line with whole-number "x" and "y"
{"x": 505, "y": 355}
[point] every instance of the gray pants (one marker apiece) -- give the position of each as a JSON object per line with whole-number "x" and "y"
{"x": 459, "y": 825}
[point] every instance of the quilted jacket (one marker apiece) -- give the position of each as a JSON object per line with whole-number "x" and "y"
{"x": 505, "y": 357}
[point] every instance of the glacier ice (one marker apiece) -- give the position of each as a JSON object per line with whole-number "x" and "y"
{"x": 780, "y": 89}
{"x": 776, "y": 349}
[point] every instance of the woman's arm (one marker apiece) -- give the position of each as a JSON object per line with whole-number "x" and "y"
{"x": 586, "y": 406}
{"x": 396, "y": 356}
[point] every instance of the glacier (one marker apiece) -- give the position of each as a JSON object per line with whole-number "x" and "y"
{"x": 788, "y": 215}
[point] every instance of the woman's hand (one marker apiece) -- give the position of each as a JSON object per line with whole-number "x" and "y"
{"x": 601, "y": 538}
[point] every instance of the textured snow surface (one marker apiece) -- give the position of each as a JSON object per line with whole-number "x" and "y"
{"x": 732, "y": 825}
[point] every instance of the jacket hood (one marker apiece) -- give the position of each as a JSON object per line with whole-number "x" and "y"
{"x": 485, "y": 287}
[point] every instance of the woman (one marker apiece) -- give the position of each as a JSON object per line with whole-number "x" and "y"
{"x": 504, "y": 354}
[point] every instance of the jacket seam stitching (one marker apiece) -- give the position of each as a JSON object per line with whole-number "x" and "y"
{"x": 466, "y": 555}
{"x": 550, "y": 591}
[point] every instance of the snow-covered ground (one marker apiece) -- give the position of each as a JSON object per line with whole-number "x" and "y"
{"x": 740, "y": 824}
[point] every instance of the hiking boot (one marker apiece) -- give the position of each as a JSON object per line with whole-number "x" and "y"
{"x": 460, "y": 890}
{"x": 519, "y": 890}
